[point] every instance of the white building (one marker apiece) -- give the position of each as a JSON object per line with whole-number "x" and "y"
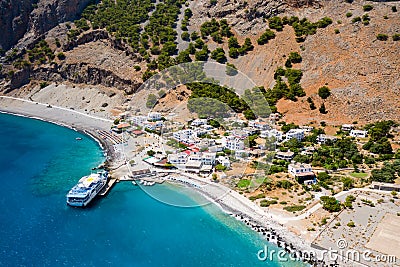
{"x": 224, "y": 161}
{"x": 216, "y": 148}
{"x": 347, "y": 127}
{"x": 259, "y": 125}
{"x": 307, "y": 129}
{"x": 154, "y": 116}
{"x": 178, "y": 159}
{"x": 198, "y": 122}
{"x": 284, "y": 155}
{"x": 323, "y": 138}
{"x": 296, "y": 169}
{"x": 233, "y": 143}
{"x": 139, "y": 120}
{"x": 208, "y": 158}
{"x": 278, "y": 135}
{"x": 358, "y": 133}
{"x": 295, "y": 133}
{"x": 207, "y": 127}
{"x": 184, "y": 136}
{"x": 152, "y": 125}
{"x": 206, "y": 143}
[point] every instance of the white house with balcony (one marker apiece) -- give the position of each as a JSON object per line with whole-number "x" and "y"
{"x": 259, "y": 125}
{"x": 185, "y": 136}
{"x": 178, "y": 159}
{"x": 273, "y": 133}
{"x": 152, "y": 125}
{"x": 358, "y": 133}
{"x": 323, "y": 138}
{"x": 154, "y": 116}
{"x": 224, "y": 161}
{"x": 208, "y": 158}
{"x": 139, "y": 120}
{"x": 347, "y": 127}
{"x": 302, "y": 172}
{"x": 233, "y": 143}
{"x": 295, "y": 133}
{"x": 198, "y": 122}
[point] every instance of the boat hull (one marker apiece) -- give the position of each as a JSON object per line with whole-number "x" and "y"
{"x": 82, "y": 200}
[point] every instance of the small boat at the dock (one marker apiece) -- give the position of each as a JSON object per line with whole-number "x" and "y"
{"x": 78, "y": 138}
{"x": 86, "y": 189}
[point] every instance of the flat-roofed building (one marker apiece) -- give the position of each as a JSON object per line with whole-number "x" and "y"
{"x": 154, "y": 116}
{"x": 284, "y": 155}
{"x": 358, "y": 133}
{"x": 302, "y": 172}
{"x": 347, "y": 127}
{"x": 177, "y": 159}
{"x": 385, "y": 186}
{"x": 295, "y": 133}
{"x": 198, "y": 122}
{"x": 323, "y": 138}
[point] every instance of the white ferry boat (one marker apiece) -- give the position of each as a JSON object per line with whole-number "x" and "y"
{"x": 86, "y": 189}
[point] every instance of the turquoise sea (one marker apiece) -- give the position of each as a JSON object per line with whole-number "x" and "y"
{"x": 40, "y": 162}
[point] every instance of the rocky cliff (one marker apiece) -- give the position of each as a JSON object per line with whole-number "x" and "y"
{"x": 31, "y": 18}
{"x": 14, "y": 20}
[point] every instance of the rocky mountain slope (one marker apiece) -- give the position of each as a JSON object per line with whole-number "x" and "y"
{"x": 361, "y": 71}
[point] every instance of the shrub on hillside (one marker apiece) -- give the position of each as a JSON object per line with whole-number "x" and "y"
{"x": 382, "y": 37}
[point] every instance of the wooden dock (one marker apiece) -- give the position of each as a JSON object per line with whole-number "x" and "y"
{"x": 108, "y": 186}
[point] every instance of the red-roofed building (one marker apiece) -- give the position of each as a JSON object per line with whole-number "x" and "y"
{"x": 187, "y": 152}
{"x": 137, "y": 132}
{"x": 123, "y": 125}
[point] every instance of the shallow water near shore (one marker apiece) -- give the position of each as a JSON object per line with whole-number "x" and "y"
{"x": 40, "y": 162}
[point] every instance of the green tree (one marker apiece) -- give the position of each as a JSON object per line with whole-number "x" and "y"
{"x": 185, "y": 36}
{"x": 201, "y": 55}
{"x": 183, "y": 57}
{"x": 330, "y": 204}
{"x": 295, "y": 57}
{"x": 265, "y": 37}
{"x": 247, "y": 46}
{"x": 151, "y": 153}
{"x": 275, "y": 23}
{"x": 233, "y": 42}
{"x": 324, "y": 92}
{"x": 348, "y": 183}
{"x": 367, "y": 8}
{"x": 233, "y": 52}
{"x": 218, "y": 55}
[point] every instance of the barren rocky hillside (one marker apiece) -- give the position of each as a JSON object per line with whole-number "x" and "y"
{"x": 361, "y": 71}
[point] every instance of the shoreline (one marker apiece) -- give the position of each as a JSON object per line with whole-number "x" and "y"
{"x": 267, "y": 228}
{"x": 44, "y": 115}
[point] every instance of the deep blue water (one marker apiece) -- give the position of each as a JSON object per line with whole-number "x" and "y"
{"x": 40, "y": 162}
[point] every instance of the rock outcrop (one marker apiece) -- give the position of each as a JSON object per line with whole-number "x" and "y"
{"x": 84, "y": 73}
{"x": 14, "y": 20}
{"x": 32, "y": 18}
